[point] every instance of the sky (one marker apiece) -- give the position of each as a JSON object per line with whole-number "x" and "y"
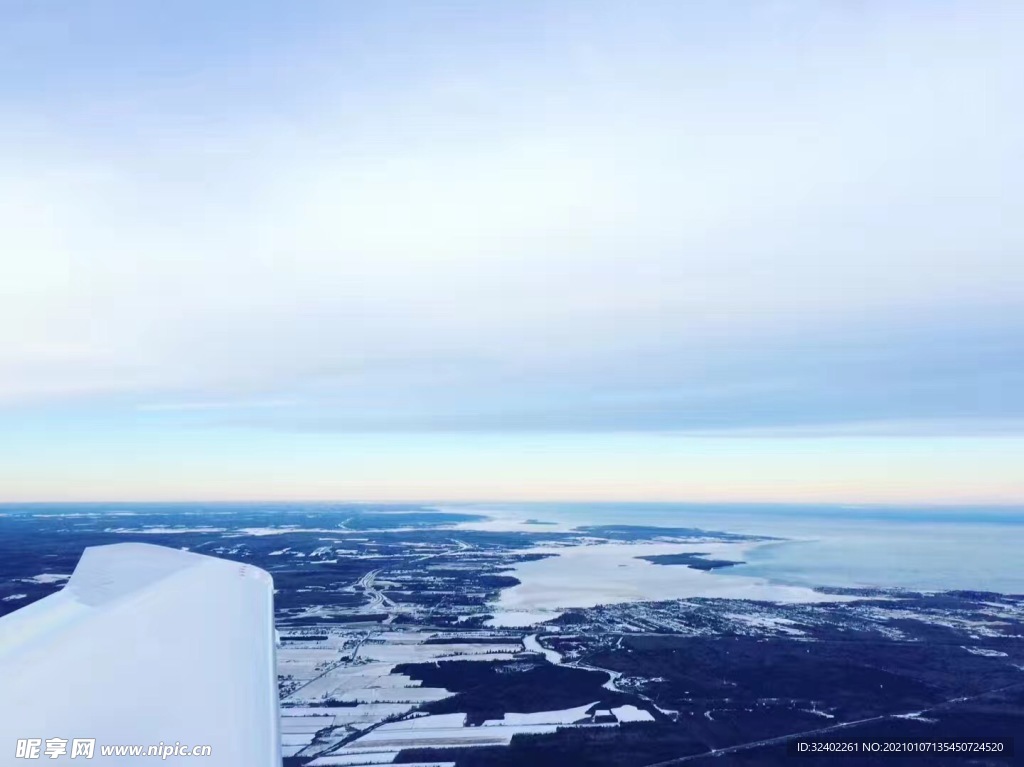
{"x": 746, "y": 251}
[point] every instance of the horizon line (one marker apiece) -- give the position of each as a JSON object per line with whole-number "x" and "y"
{"x": 1010, "y": 505}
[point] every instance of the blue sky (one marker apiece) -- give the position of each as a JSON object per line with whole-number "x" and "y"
{"x": 661, "y": 251}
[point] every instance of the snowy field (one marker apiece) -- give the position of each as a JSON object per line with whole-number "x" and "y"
{"x": 451, "y": 730}
{"x": 344, "y": 699}
{"x": 47, "y": 578}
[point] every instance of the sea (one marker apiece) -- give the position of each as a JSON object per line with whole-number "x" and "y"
{"x": 978, "y": 548}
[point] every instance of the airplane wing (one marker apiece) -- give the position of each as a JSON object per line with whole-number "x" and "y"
{"x": 145, "y": 646}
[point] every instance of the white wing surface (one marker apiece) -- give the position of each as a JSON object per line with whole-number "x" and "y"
{"x": 145, "y": 646}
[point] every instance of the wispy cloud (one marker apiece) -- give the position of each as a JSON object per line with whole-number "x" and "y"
{"x": 240, "y": 404}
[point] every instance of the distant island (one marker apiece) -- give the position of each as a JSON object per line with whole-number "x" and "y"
{"x": 690, "y": 559}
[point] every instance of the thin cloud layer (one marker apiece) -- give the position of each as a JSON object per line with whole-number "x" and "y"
{"x": 572, "y": 218}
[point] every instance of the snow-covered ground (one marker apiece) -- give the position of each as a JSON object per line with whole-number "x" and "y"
{"x": 306, "y": 724}
{"x": 355, "y": 667}
{"x": 323, "y": 668}
{"x": 565, "y": 716}
{"x": 284, "y": 530}
{"x": 520, "y": 618}
{"x": 629, "y": 713}
{"x": 425, "y": 653}
{"x": 915, "y": 716}
{"x": 450, "y": 730}
{"x": 383, "y": 757}
{"x": 363, "y": 683}
{"x": 47, "y": 578}
{"x": 379, "y": 757}
{"x": 985, "y": 652}
{"x": 769, "y": 623}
